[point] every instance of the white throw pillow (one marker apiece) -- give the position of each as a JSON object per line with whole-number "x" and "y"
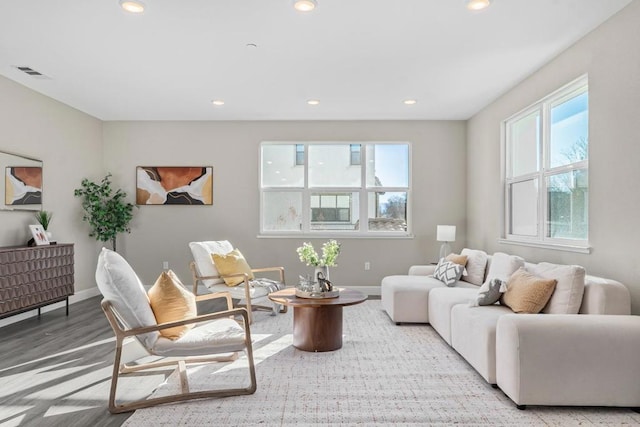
{"x": 476, "y": 264}
{"x": 503, "y": 266}
{"x": 202, "y": 251}
{"x": 120, "y": 285}
{"x": 567, "y": 298}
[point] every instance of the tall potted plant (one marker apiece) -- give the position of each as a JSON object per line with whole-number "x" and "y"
{"x": 106, "y": 212}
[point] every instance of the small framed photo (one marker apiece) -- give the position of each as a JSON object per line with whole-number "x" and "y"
{"x": 39, "y": 236}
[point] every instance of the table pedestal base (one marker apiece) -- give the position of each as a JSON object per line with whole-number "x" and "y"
{"x": 317, "y": 328}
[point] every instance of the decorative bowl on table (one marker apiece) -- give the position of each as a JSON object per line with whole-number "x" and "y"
{"x": 317, "y": 294}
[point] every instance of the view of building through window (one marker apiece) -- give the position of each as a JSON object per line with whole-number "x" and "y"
{"x": 334, "y": 187}
{"x": 546, "y": 169}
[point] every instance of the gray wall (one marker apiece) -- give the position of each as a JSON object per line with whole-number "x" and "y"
{"x": 162, "y": 233}
{"x": 69, "y": 143}
{"x": 611, "y": 57}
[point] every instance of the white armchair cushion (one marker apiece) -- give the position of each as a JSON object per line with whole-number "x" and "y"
{"x": 120, "y": 285}
{"x": 219, "y": 336}
{"x": 202, "y": 251}
{"x": 567, "y": 297}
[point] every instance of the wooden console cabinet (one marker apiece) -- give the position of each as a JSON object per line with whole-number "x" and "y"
{"x": 32, "y": 277}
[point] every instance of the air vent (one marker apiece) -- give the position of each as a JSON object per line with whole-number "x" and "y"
{"x": 30, "y": 71}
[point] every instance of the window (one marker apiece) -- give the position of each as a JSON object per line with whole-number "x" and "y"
{"x": 333, "y": 187}
{"x": 546, "y": 170}
{"x": 299, "y": 155}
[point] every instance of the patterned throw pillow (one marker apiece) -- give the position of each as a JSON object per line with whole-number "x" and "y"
{"x": 490, "y": 293}
{"x": 448, "y": 272}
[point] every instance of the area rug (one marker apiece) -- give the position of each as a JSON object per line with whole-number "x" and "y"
{"x": 383, "y": 375}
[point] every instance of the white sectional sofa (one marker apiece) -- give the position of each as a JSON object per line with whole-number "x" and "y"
{"x": 590, "y": 357}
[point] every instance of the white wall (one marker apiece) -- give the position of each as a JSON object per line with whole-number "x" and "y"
{"x": 69, "y": 143}
{"x": 611, "y": 57}
{"x": 162, "y": 232}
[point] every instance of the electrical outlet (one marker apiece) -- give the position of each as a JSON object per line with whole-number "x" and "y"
{"x": 165, "y": 265}
{"x": 367, "y": 265}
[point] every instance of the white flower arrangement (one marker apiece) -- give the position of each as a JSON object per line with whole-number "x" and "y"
{"x": 330, "y": 252}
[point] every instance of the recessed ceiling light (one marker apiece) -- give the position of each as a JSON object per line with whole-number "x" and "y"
{"x": 410, "y": 102}
{"x": 313, "y": 102}
{"x": 132, "y": 6}
{"x": 251, "y": 45}
{"x": 217, "y": 102}
{"x": 304, "y": 5}
{"x": 478, "y": 4}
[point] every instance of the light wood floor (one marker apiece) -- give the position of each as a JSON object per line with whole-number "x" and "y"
{"x": 55, "y": 370}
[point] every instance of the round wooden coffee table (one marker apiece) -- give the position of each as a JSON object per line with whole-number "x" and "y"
{"x": 317, "y": 323}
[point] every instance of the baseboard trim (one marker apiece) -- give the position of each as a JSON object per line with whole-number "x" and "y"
{"x": 77, "y": 297}
{"x": 369, "y": 290}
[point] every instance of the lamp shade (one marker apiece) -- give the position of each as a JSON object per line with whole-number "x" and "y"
{"x": 446, "y": 233}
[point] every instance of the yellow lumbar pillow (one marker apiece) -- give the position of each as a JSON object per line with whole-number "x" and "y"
{"x": 170, "y": 302}
{"x": 232, "y": 263}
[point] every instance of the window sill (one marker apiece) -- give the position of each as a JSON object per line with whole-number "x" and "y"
{"x": 556, "y": 247}
{"x": 335, "y": 236}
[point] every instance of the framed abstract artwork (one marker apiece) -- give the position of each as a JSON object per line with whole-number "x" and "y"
{"x": 174, "y": 185}
{"x": 23, "y": 185}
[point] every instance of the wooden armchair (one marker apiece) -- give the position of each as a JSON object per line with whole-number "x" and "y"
{"x": 252, "y": 292}
{"x": 216, "y": 337}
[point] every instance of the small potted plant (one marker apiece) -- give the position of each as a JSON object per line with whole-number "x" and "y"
{"x": 44, "y": 219}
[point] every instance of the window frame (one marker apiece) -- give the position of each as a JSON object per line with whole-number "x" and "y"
{"x": 543, "y": 172}
{"x": 361, "y": 192}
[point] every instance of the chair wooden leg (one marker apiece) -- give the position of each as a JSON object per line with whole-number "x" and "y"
{"x": 184, "y": 381}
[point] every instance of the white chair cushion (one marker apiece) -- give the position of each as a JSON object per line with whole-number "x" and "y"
{"x": 202, "y": 251}
{"x": 218, "y": 336}
{"x": 567, "y": 297}
{"x": 120, "y": 285}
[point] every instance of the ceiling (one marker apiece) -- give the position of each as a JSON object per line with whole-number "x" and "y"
{"x": 359, "y": 58}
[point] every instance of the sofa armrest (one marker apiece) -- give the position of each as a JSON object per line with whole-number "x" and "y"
{"x": 422, "y": 270}
{"x": 569, "y": 359}
{"x": 605, "y": 296}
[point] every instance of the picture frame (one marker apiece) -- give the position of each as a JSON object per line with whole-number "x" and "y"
{"x": 174, "y": 185}
{"x": 39, "y": 235}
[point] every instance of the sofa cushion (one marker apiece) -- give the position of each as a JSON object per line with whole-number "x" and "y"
{"x": 448, "y": 272}
{"x": 502, "y": 266}
{"x": 406, "y": 298}
{"x": 527, "y": 293}
{"x": 232, "y": 263}
{"x": 476, "y": 265}
{"x": 473, "y": 335}
{"x": 567, "y": 297}
{"x": 170, "y": 301}
{"x": 442, "y": 300}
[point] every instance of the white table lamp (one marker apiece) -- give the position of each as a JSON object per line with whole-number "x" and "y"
{"x": 446, "y": 234}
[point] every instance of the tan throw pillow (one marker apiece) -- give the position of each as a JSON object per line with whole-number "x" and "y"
{"x": 458, "y": 259}
{"x": 170, "y": 301}
{"x": 527, "y": 293}
{"x": 232, "y": 263}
